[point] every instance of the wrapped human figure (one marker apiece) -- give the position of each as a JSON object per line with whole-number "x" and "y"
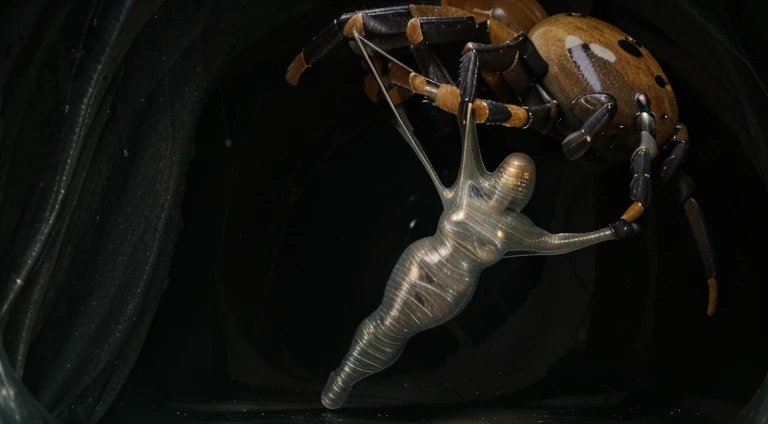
{"x": 435, "y": 277}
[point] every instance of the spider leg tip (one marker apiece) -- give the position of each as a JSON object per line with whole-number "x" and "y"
{"x": 296, "y": 68}
{"x": 712, "y": 305}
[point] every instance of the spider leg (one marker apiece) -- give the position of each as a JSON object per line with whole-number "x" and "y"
{"x": 597, "y": 109}
{"x": 497, "y": 44}
{"x": 396, "y": 93}
{"x": 701, "y": 234}
{"x": 443, "y": 25}
{"x": 686, "y": 186}
{"x": 422, "y": 32}
{"x": 471, "y": 160}
{"x": 388, "y": 26}
{"x": 679, "y": 144}
{"x": 646, "y": 152}
{"x": 422, "y": 25}
{"x": 448, "y": 96}
{"x": 516, "y": 64}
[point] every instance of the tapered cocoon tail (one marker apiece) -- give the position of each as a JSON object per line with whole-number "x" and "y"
{"x": 334, "y": 393}
{"x": 377, "y": 344}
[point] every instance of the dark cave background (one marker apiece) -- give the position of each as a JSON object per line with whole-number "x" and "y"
{"x": 235, "y": 230}
{"x": 314, "y": 200}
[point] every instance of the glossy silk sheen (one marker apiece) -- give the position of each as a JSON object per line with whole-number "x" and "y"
{"x": 435, "y": 277}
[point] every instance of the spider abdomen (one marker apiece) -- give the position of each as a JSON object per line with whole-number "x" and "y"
{"x": 587, "y": 55}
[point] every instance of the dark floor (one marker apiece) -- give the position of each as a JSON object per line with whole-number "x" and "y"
{"x": 258, "y": 413}
{"x": 138, "y": 403}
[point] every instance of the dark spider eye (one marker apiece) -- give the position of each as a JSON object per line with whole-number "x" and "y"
{"x": 630, "y": 48}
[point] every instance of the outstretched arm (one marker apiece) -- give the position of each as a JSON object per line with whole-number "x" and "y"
{"x": 544, "y": 243}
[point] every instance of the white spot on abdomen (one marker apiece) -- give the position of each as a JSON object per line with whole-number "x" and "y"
{"x": 602, "y": 52}
{"x": 578, "y": 51}
{"x": 585, "y": 66}
{"x": 572, "y": 41}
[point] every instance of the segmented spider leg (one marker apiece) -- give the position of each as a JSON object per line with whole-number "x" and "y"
{"x": 429, "y": 64}
{"x": 468, "y": 79}
{"x": 511, "y": 64}
{"x": 516, "y": 65}
{"x": 321, "y": 44}
{"x": 646, "y": 152}
{"x": 371, "y": 88}
{"x": 679, "y": 146}
{"x": 472, "y": 167}
{"x": 387, "y": 26}
{"x": 494, "y": 33}
{"x": 520, "y": 15}
{"x": 448, "y": 96}
{"x": 595, "y": 110}
{"x": 693, "y": 212}
{"x": 420, "y": 33}
{"x": 395, "y": 93}
{"x": 503, "y": 57}
{"x": 424, "y": 31}
{"x": 686, "y": 187}
{"x": 499, "y": 86}
{"x": 496, "y": 58}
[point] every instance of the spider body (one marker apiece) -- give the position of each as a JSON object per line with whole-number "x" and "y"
{"x": 578, "y": 79}
{"x": 586, "y": 55}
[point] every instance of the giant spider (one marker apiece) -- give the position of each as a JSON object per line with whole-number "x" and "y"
{"x": 572, "y": 77}
{"x": 435, "y": 277}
